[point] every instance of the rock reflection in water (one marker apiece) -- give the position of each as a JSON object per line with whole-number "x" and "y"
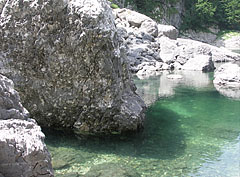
{"x": 161, "y": 86}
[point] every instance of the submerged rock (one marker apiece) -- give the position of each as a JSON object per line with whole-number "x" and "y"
{"x": 22, "y": 150}
{"x": 111, "y": 169}
{"x": 227, "y": 80}
{"x": 67, "y": 62}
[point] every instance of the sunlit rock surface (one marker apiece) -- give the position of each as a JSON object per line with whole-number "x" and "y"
{"x": 67, "y": 62}
{"x": 227, "y": 80}
{"x": 22, "y": 150}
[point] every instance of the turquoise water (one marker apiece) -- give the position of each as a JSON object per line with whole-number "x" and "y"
{"x": 190, "y": 130}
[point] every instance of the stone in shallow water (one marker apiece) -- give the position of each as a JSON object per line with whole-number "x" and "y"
{"x": 111, "y": 169}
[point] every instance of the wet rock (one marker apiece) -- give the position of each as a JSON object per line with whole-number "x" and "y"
{"x": 111, "y": 169}
{"x": 22, "y": 150}
{"x": 67, "y": 61}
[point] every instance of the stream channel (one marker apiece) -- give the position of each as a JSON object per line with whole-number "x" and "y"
{"x": 190, "y": 130}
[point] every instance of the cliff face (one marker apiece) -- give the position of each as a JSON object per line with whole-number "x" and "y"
{"x": 67, "y": 62}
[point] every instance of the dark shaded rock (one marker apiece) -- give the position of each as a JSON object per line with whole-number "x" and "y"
{"x": 66, "y": 61}
{"x": 111, "y": 169}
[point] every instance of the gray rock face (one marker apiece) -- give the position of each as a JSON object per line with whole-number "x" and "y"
{"x": 10, "y": 105}
{"x": 199, "y": 63}
{"x": 167, "y": 30}
{"x": 22, "y": 150}
{"x": 175, "y": 18}
{"x": 67, "y": 62}
{"x": 227, "y": 80}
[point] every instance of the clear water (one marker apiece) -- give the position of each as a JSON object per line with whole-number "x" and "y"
{"x": 190, "y": 130}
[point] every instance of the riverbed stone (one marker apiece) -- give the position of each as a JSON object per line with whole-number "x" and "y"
{"x": 22, "y": 149}
{"x": 68, "y": 63}
{"x": 111, "y": 169}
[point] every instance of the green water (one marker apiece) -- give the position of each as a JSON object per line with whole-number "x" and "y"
{"x": 190, "y": 130}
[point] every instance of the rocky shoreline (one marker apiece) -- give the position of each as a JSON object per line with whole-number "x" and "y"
{"x": 22, "y": 148}
{"x": 71, "y": 63}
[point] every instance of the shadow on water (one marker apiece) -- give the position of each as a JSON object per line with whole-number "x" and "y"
{"x": 161, "y": 138}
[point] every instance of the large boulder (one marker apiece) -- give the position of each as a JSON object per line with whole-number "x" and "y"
{"x": 66, "y": 61}
{"x": 22, "y": 150}
{"x": 227, "y": 80}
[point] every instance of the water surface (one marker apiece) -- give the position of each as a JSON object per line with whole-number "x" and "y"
{"x": 190, "y": 130}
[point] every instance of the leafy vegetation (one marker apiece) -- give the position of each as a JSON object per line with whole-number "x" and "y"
{"x": 205, "y": 13}
{"x": 227, "y": 34}
{"x": 199, "y": 14}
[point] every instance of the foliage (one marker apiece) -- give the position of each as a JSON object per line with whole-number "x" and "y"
{"x": 227, "y": 34}
{"x": 114, "y": 6}
{"x": 205, "y": 13}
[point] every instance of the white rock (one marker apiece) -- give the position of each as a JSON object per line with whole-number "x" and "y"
{"x": 199, "y": 63}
